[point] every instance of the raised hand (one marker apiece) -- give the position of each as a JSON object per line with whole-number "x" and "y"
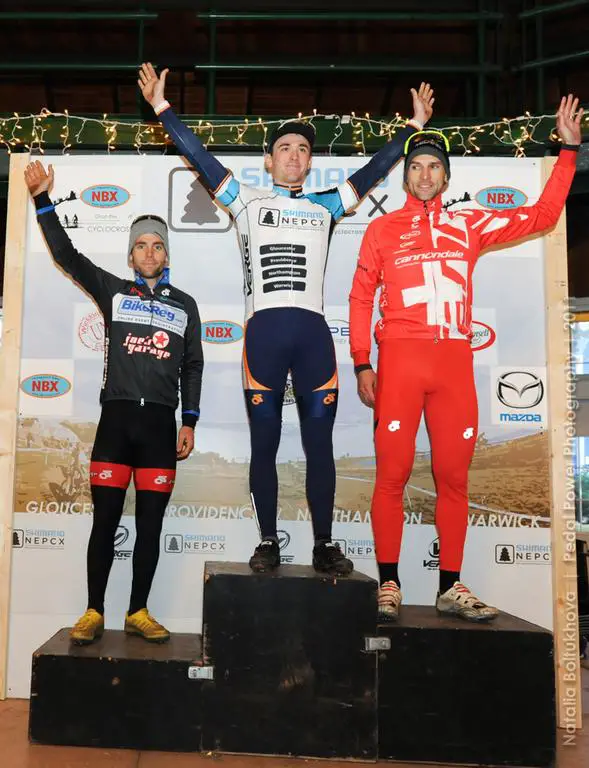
{"x": 152, "y": 86}
{"x": 37, "y": 179}
{"x": 568, "y": 120}
{"x": 423, "y": 103}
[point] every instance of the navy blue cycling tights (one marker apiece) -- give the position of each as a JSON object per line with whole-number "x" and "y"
{"x": 278, "y": 341}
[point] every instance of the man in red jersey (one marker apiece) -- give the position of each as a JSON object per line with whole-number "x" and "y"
{"x": 423, "y": 257}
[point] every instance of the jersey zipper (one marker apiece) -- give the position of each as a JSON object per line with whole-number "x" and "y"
{"x": 429, "y": 217}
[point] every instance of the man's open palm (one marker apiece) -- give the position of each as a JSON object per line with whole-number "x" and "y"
{"x": 568, "y": 120}
{"x": 37, "y": 179}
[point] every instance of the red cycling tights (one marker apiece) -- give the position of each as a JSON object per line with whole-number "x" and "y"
{"x": 436, "y": 378}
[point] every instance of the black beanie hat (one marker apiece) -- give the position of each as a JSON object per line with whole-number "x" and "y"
{"x": 292, "y": 126}
{"x": 427, "y": 143}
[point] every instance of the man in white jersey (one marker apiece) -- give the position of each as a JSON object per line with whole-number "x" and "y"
{"x": 284, "y": 238}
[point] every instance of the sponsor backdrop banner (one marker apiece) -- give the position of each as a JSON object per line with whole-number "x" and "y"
{"x": 210, "y": 517}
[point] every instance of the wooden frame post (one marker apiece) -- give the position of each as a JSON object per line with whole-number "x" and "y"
{"x": 561, "y": 435}
{"x": 18, "y": 198}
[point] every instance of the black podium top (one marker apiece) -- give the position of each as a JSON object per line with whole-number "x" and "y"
{"x": 117, "y": 645}
{"x": 426, "y": 617}
{"x": 285, "y": 571}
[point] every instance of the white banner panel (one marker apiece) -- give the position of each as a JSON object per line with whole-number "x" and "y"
{"x": 507, "y": 558}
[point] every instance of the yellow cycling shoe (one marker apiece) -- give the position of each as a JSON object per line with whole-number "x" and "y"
{"x": 87, "y": 628}
{"x": 143, "y": 624}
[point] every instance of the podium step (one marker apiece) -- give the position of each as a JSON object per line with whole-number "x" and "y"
{"x": 454, "y": 692}
{"x": 291, "y": 674}
{"x": 118, "y": 692}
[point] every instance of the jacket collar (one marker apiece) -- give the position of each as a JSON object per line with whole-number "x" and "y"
{"x": 423, "y": 207}
{"x": 161, "y": 283}
{"x": 287, "y": 191}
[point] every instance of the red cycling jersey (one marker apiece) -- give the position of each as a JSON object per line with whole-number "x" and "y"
{"x": 423, "y": 258}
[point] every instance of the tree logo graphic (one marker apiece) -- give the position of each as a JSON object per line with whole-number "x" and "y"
{"x": 269, "y": 217}
{"x": 18, "y": 538}
{"x": 200, "y": 208}
{"x": 505, "y": 553}
{"x": 174, "y": 542}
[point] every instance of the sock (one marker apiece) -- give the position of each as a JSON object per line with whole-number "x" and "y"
{"x": 388, "y": 572}
{"x": 322, "y": 540}
{"x": 447, "y": 579}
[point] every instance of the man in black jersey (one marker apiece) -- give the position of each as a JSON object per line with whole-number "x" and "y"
{"x": 152, "y": 344}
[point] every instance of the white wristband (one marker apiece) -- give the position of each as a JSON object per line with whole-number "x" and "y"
{"x": 415, "y": 123}
{"x": 161, "y": 106}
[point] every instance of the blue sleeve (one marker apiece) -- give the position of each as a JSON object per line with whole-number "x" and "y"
{"x": 367, "y": 177}
{"x": 330, "y": 199}
{"x": 212, "y": 172}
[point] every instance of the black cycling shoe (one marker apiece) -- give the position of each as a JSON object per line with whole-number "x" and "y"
{"x": 266, "y": 556}
{"x": 328, "y": 558}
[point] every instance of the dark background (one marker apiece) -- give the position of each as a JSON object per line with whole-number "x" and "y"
{"x": 486, "y": 58}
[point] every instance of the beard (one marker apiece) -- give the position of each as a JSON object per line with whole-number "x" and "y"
{"x": 150, "y": 272}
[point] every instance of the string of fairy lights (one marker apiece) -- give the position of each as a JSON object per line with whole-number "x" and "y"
{"x": 37, "y": 132}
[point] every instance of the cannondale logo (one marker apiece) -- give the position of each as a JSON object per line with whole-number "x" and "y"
{"x": 283, "y": 539}
{"x": 394, "y": 426}
{"x": 468, "y": 433}
{"x": 520, "y": 389}
{"x": 121, "y": 536}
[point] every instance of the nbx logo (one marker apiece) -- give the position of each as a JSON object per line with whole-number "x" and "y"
{"x": 45, "y": 386}
{"x": 105, "y": 196}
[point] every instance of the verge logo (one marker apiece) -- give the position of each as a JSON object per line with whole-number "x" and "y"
{"x": 121, "y": 537}
{"x": 45, "y": 385}
{"x": 283, "y": 542}
{"x": 434, "y": 556}
{"x": 105, "y": 196}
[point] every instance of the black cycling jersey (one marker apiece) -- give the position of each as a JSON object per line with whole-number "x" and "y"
{"x": 152, "y": 337}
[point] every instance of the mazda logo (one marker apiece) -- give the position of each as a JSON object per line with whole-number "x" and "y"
{"x": 121, "y": 536}
{"x": 520, "y": 389}
{"x": 283, "y": 539}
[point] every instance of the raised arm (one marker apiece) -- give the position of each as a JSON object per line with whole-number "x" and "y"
{"x": 94, "y": 280}
{"x": 212, "y": 172}
{"x": 367, "y": 177}
{"x": 495, "y": 227}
